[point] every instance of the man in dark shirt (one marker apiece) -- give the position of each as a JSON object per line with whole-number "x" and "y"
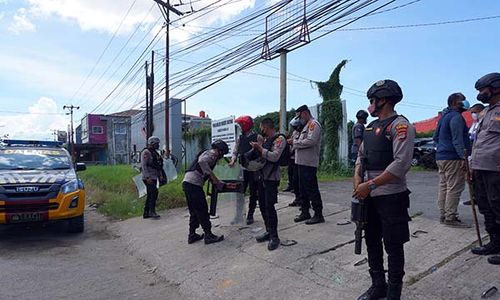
{"x": 357, "y": 133}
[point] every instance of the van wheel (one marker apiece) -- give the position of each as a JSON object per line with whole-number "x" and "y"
{"x": 76, "y": 225}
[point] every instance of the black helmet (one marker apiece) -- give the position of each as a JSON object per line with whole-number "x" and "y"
{"x": 220, "y": 145}
{"x": 385, "y": 89}
{"x": 361, "y": 114}
{"x": 488, "y": 80}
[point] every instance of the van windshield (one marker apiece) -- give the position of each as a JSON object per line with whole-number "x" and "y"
{"x": 34, "y": 159}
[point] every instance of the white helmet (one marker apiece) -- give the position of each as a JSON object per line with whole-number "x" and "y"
{"x": 153, "y": 140}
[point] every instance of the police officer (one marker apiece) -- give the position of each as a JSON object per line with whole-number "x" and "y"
{"x": 250, "y": 179}
{"x": 200, "y": 171}
{"x": 151, "y": 169}
{"x": 385, "y": 154}
{"x": 297, "y": 129}
{"x": 485, "y": 164}
{"x": 307, "y": 148}
{"x": 272, "y": 150}
{"x": 357, "y": 133}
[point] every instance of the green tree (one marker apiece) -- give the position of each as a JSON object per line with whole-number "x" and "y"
{"x": 331, "y": 116}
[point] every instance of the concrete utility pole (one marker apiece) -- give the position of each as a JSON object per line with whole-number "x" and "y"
{"x": 151, "y": 97}
{"x": 146, "y": 114}
{"x": 72, "y": 140}
{"x": 165, "y": 9}
{"x": 283, "y": 123}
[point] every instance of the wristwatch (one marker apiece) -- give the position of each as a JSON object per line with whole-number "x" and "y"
{"x": 372, "y": 185}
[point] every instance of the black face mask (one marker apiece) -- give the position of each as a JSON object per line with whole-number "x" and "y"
{"x": 485, "y": 97}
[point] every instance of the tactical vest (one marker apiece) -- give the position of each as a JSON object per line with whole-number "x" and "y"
{"x": 378, "y": 145}
{"x": 195, "y": 165}
{"x": 244, "y": 145}
{"x": 156, "y": 160}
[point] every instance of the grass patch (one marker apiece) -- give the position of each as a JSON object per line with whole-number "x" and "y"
{"x": 114, "y": 192}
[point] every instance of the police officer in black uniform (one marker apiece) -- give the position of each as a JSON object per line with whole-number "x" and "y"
{"x": 357, "y": 133}
{"x": 485, "y": 163}
{"x": 385, "y": 154}
{"x": 196, "y": 175}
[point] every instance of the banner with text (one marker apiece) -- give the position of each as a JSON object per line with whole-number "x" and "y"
{"x": 225, "y": 129}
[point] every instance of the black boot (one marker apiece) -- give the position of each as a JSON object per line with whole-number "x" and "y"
{"x": 250, "y": 219}
{"x": 153, "y": 214}
{"x": 262, "y": 238}
{"x": 146, "y": 214}
{"x": 378, "y": 290}
{"x": 394, "y": 291}
{"x": 194, "y": 237}
{"x": 493, "y": 247}
{"x": 302, "y": 217}
{"x": 273, "y": 244}
{"x": 318, "y": 218}
{"x": 494, "y": 260}
{"x": 211, "y": 238}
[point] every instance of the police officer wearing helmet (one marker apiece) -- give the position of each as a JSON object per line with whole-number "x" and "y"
{"x": 357, "y": 133}
{"x": 152, "y": 171}
{"x": 485, "y": 163}
{"x": 196, "y": 175}
{"x": 385, "y": 154}
{"x": 242, "y": 146}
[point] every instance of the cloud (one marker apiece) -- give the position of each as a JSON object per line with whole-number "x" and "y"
{"x": 21, "y": 23}
{"x": 106, "y": 15}
{"x": 49, "y": 74}
{"x": 38, "y": 124}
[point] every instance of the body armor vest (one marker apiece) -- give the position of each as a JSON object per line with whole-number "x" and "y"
{"x": 377, "y": 146}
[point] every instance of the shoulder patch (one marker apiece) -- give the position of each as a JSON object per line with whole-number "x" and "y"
{"x": 312, "y": 125}
{"x": 401, "y": 131}
{"x": 278, "y": 141}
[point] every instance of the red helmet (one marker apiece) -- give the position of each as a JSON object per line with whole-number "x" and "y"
{"x": 245, "y": 122}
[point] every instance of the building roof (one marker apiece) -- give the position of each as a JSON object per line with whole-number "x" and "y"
{"x": 126, "y": 113}
{"x": 429, "y": 125}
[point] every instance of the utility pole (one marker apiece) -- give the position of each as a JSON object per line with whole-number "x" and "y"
{"x": 165, "y": 9}
{"x": 72, "y": 140}
{"x": 151, "y": 91}
{"x": 283, "y": 125}
{"x": 148, "y": 128}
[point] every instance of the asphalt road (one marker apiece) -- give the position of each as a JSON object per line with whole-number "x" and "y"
{"x": 47, "y": 263}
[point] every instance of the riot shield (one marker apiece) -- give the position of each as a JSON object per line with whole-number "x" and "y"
{"x": 170, "y": 170}
{"x": 232, "y": 205}
{"x": 139, "y": 184}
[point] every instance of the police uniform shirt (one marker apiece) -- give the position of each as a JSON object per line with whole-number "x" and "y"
{"x": 357, "y": 133}
{"x": 486, "y": 149}
{"x": 205, "y": 160}
{"x": 308, "y": 145}
{"x": 271, "y": 171}
{"x": 295, "y": 135}
{"x": 148, "y": 172}
{"x": 402, "y": 134}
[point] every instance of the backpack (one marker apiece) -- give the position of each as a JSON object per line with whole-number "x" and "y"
{"x": 284, "y": 159}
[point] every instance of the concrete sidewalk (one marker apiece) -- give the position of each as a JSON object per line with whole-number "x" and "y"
{"x": 322, "y": 263}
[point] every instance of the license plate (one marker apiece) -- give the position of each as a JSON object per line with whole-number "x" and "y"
{"x": 26, "y": 217}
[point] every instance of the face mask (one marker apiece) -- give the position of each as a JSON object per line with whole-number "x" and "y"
{"x": 475, "y": 116}
{"x": 373, "y": 109}
{"x": 484, "y": 97}
{"x": 464, "y": 105}
{"x": 302, "y": 122}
